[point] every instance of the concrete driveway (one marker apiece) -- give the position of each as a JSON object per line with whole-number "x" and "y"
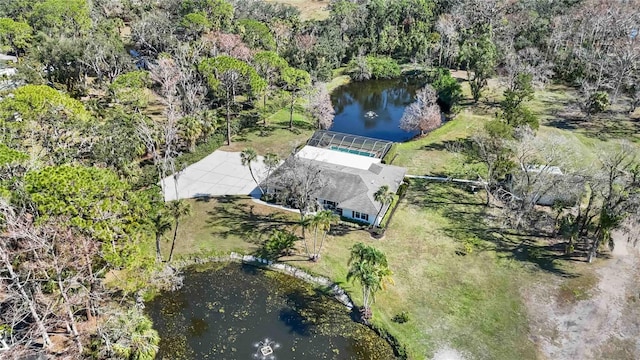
{"x": 220, "y": 173}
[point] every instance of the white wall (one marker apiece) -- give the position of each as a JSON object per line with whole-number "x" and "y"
{"x": 348, "y": 213}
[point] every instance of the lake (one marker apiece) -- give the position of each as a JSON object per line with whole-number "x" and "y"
{"x": 224, "y": 311}
{"x": 387, "y": 99}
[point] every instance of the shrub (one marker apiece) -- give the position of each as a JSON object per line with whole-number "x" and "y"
{"x": 402, "y": 189}
{"x": 387, "y": 216}
{"x": 391, "y": 154}
{"x": 373, "y": 67}
{"x": 383, "y": 67}
{"x": 401, "y": 318}
{"x": 353, "y": 221}
{"x": 280, "y": 243}
{"x": 447, "y": 87}
{"x": 202, "y": 150}
{"x": 598, "y": 102}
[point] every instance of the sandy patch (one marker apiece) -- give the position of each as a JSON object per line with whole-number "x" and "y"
{"x": 583, "y": 330}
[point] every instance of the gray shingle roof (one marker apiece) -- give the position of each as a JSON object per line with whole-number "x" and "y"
{"x": 353, "y": 188}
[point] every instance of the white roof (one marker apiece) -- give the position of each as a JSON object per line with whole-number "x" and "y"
{"x": 554, "y": 170}
{"x": 8, "y": 72}
{"x": 337, "y": 157}
{"x": 4, "y": 57}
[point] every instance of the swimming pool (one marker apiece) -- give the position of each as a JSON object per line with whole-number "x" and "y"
{"x": 351, "y": 151}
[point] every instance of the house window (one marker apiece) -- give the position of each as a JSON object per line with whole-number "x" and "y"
{"x": 359, "y": 215}
{"x": 329, "y": 204}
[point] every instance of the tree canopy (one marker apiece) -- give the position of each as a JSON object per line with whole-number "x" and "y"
{"x": 94, "y": 201}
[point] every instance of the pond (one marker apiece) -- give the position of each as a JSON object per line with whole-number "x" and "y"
{"x": 374, "y": 108}
{"x": 225, "y": 311}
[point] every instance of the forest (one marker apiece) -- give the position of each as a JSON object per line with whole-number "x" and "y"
{"x": 109, "y": 97}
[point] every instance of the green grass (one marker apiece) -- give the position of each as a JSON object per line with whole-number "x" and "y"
{"x": 275, "y": 136}
{"x": 555, "y": 105}
{"x": 225, "y": 224}
{"x": 471, "y": 302}
{"x": 429, "y": 154}
{"x": 468, "y": 300}
{"x": 309, "y": 9}
{"x": 338, "y": 81}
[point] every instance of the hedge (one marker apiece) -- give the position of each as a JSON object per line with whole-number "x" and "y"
{"x": 391, "y": 154}
{"x": 392, "y": 207}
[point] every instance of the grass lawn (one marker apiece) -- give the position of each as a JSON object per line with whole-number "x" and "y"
{"x": 225, "y": 224}
{"x": 429, "y": 154}
{"x": 275, "y": 137}
{"x": 309, "y": 9}
{"x": 470, "y": 302}
{"x": 559, "y": 116}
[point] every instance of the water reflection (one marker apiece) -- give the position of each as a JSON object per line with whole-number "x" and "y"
{"x": 223, "y": 313}
{"x": 386, "y": 98}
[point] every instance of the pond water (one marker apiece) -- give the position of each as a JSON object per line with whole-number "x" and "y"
{"x": 224, "y": 311}
{"x": 374, "y": 108}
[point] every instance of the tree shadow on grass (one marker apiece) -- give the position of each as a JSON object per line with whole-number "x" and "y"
{"x": 203, "y": 198}
{"x": 232, "y": 217}
{"x": 606, "y": 126}
{"x": 470, "y": 223}
{"x": 457, "y": 145}
{"x": 341, "y": 229}
{"x": 258, "y": 129}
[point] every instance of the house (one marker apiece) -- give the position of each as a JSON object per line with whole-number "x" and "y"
{"x": 7, "y": 72}
{"x": 545, "y": 185}
{"x": 352, "y": 169}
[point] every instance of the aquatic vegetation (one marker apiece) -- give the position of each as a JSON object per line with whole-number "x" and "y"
{"x": 223, "y": 312}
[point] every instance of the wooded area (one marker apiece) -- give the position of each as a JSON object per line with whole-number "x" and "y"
{"x": 111, "y": 96}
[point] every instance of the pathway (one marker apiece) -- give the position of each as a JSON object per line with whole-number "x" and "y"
{"x": 604, "y": 326}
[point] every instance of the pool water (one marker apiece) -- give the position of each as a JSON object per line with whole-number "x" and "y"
{"x": 351, "y": 151}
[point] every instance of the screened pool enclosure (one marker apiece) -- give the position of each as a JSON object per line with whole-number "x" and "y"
{"x": 352, "y": 144}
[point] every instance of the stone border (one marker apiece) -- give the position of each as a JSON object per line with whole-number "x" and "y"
{"x": 337, "y": 292}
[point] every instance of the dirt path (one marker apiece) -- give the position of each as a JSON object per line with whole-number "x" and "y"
{"x": 604, "y": 326}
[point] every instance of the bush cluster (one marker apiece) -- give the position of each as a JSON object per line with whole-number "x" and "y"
{"x": 391, "y": 154}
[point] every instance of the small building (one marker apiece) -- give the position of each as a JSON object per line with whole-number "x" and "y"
{"x": 546, "y": 185}
{"x": 7, "y": 72}
{"x": 353, "y": 169}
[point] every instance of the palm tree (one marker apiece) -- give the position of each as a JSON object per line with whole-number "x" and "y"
{"x": 271, "y": 162}
{"x": 132, "y": 335}
{"x": 369, "y": 267}
{"x": 179, "y": 208}
{"x": 247, "y": 156}
{"x": 305, "y": 223}
{"x": 161, "y": 223}
{"x": 322, "y": 222}
{"x": 384, "y": 197}
{"x": 280, "y": 243}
